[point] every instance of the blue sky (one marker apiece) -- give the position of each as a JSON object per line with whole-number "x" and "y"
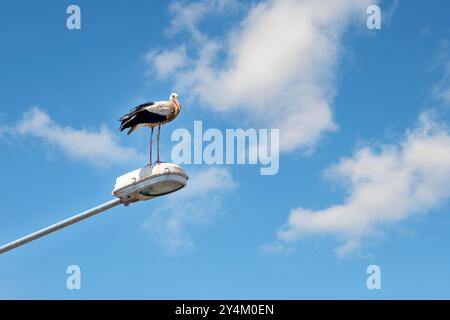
{"x": 364, "y": 172}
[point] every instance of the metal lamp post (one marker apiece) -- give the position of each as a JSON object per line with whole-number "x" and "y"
{"x": 146, "y": 183}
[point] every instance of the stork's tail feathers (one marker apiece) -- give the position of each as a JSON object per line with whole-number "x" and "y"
{"x": 125, "y": 125}
{"x": 122, "y": 127}
{"x": 131, "y": 130}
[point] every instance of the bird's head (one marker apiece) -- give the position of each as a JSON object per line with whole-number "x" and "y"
{"x": 174, "y": 99}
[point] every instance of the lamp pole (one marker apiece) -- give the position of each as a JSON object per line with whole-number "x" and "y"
{"x": 60, "y": 225}
{"x": 149, "y": 182}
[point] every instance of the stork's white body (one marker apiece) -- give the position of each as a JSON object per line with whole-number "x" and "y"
{"x": 151, "y": 114}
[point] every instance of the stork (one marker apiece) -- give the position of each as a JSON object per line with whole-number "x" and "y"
{"x": 151, "y": 114}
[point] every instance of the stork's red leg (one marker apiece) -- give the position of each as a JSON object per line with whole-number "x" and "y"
{"x": 151, "y": 145}
{"x": 157, "y": 143}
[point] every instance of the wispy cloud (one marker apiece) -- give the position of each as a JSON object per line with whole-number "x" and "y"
{"x": 276, "y": 247}
{"x": 442, "y": 90}
{"x": 188, "y": 14}
{"x": 389, "y": 11}
{"x": 98, "y": 147}
{"x": 275, "y": 67}
{"x": 441, "y": 64}
{"x": 385, "y": 186}
{"x": 166, "y": 62}
{"x": 198, "y": 204}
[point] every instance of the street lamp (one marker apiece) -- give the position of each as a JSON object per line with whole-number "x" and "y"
{"x": 151, "y": 181}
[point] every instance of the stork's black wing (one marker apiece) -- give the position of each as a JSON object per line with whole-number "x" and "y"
{"x": 126, "y": 119}
{"x": 135, "y": 110}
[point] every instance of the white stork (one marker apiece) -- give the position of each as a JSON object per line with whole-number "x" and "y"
{"x": 151, "y": 114}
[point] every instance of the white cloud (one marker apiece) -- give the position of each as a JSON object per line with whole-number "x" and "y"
{"x": 388, "y": 13}
{"x": 276, "y": 247}
{"x": 276, "y": 67}
{"x": 385, "y": 186}
{"x": 97, "y": 147}
{"x": 442, "y": 89}
{"x": 441, "y": 62}
{"x": 166, "y": 62}
{"x": 197, "y": 204}
{"x": 187, "y": 15}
